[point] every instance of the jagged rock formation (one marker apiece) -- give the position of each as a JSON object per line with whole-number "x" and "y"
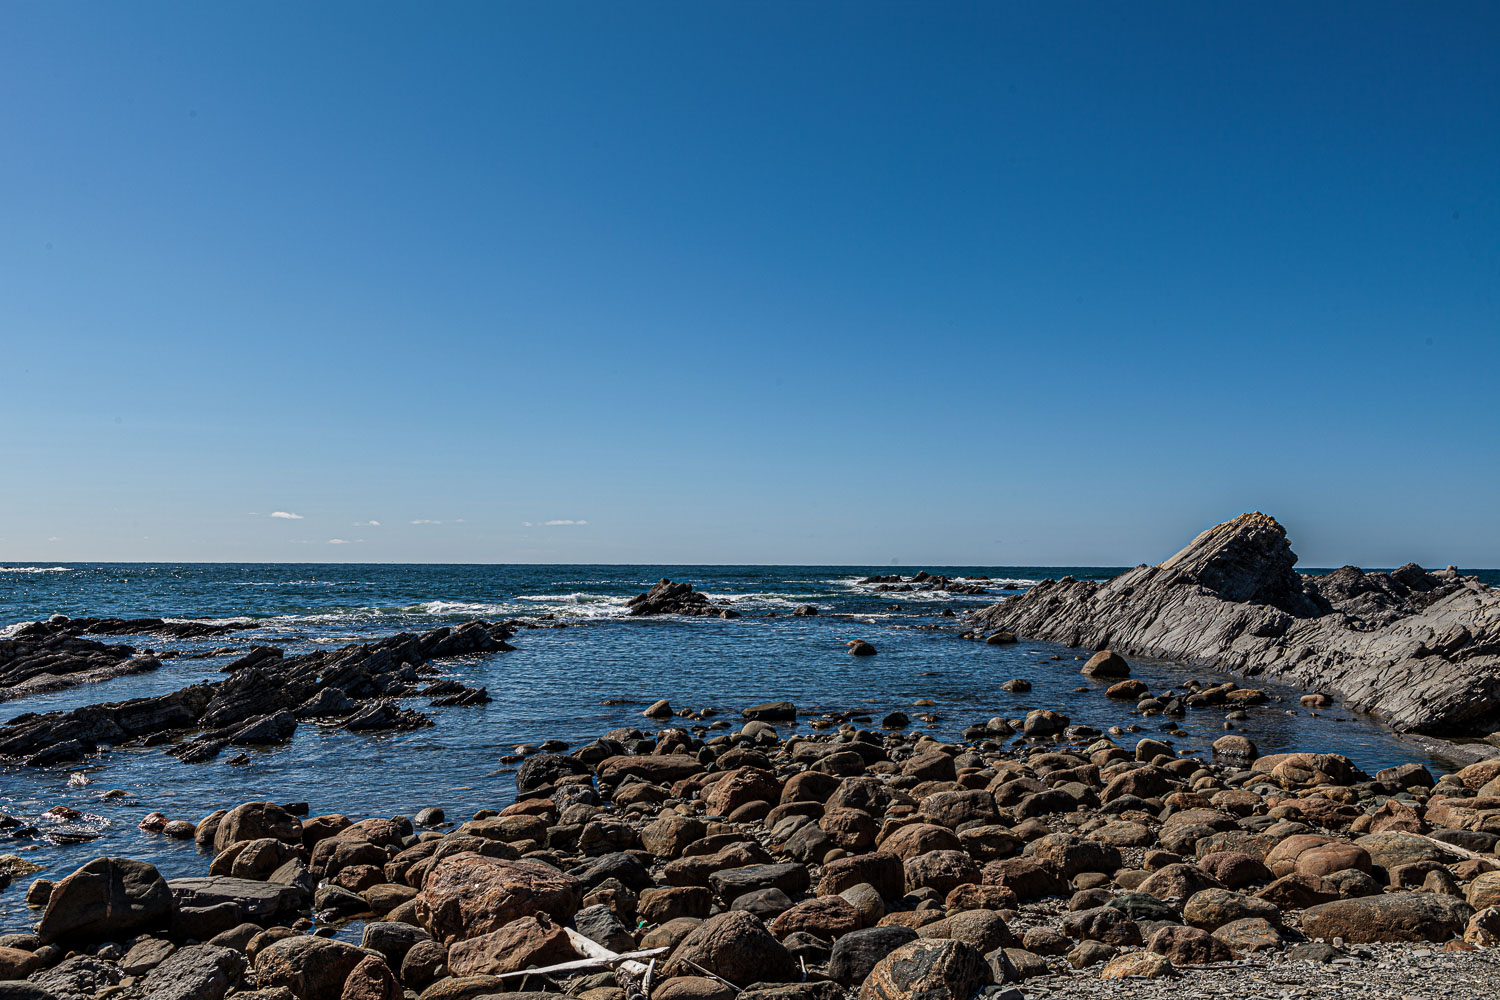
{"x": 668, "y": 598}
{"x": 1419, "y": 649}
{"x": 51, "y": 655}
{"x": 38, "y": 663}
{"x": 263, "y": 699}
{"x": 62, "y": 624}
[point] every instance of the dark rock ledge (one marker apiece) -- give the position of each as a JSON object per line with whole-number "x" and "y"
{"x": 265, "y": 697}
{"x": 1419, "y": 649}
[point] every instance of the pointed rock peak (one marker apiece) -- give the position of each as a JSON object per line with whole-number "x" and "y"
{"x": 1247, "y": 559}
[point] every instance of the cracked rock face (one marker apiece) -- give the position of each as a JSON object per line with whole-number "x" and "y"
{"x": 1420, "y": 649}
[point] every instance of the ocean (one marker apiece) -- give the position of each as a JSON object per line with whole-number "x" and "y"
{"x": 593, "y": 671}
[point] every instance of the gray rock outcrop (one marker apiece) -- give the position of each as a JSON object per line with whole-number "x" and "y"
{"x": 1419, "y": 649}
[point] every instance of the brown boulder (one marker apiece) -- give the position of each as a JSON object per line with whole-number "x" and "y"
{"x": 1138, "y": 965}
{"x": 941, "y": 871}
{"x": 739, "y": 786}
{"x": 106, "y": 899}
{"x": 254, "y": 820}
{"x": 527, "y": 942}
{"x": 1028, "y": 878}
{"x": 466, "y": 895}
{"x": 1106, "y": 665}
{"x": 908, "y": 841}
{"x": 827, "y": 917}
{"x": 1329, "y": 858}
{"x": 371, "y": 979}
{"x": 734, "y": 945}
{"x": 1178, "y": 882}
{"x": 880, "y": 869}
{"x": 1396, "y": 916}
{"x": 928, "y": 969}
{"x": 311, "y": 967}
{"x": 1184, "y": 945}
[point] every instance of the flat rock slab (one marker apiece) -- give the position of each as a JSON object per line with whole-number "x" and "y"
{"x": 258, "y": 900}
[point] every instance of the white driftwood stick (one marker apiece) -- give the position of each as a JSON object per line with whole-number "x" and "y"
{"x": 1462, "y": 852}
{"x": 592, "y": 962}
{"x": 596, "y": 951}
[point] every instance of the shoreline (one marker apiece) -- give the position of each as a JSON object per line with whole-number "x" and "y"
{"x": 1053, "y": 864}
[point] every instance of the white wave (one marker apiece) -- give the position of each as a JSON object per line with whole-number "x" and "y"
{"x": 293, "y": 583}
{"x": 767, "y": 600}
{"x": 241, "y": 620}
{"x": 450, "y": 608}
{"x": 35, "y": 569}
{"x": 577, "y": 597}
{"x": 10, "y": 630}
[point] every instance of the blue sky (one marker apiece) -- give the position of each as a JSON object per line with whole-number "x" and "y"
{"x": 753, "y": 282}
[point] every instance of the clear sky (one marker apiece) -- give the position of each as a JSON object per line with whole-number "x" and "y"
{"x": 800, "y": 282}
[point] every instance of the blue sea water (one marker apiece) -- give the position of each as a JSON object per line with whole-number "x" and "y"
{"x": 559, "y": 682}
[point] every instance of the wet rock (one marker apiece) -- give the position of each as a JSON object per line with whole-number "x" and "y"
{"x": 669, "y": 598}
{"x": 1106, "y": 665}
{"x": 858, "y": 647}
{"x": 1044, "y": 722}
{"x": 253, "y": 821}
{"x": 772, "y": 711}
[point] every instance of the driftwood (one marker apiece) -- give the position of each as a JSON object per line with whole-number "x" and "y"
{"x": 596, "y": 956}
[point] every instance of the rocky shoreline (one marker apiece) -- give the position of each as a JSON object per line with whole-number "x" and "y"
{"x": 1035, "y": 858}
{"x": 266, "y": 696}
{"x": 1418, "y": 649}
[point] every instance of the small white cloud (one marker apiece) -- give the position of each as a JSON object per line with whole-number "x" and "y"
{"x": 366, "y": 524}
{"x": 423, "y": 520}
{"x": 53, "y": 538}
{"x": 286, "y": 515}
{"x": 553, "y": 524}
{"x": 338, "y": 541}
{"x": 527, "y": 524}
